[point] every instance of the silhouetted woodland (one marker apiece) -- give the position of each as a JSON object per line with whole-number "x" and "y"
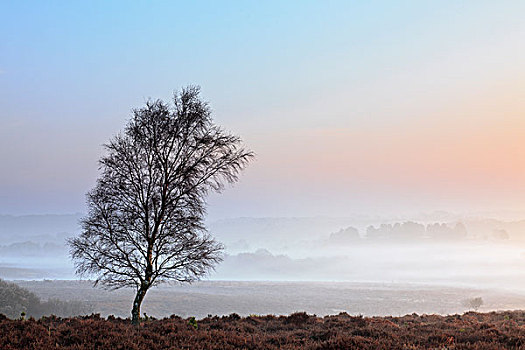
{"x": 413, "y": 231}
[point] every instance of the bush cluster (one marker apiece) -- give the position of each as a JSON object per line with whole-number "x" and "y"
{"x": 15, "y": 300}
{"x": 504, "y": 330}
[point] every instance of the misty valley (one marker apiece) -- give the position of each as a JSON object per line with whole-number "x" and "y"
{"x": 367, "y": 266}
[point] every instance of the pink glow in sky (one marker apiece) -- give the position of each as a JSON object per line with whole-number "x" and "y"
{"x": 365, "y": 107}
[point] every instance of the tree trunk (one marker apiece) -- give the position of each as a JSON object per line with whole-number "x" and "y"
{"x": 139, "y": 297}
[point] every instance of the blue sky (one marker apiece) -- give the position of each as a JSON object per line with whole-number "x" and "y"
{"x": 283, "y": 75}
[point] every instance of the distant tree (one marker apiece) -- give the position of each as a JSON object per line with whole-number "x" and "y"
{"x": 500, "y": 234}
{"x": 344, "y": 236}
{"x": 474, "y": 303}
{"x": 146, "y": 212}
{"x": 460, "y": 231}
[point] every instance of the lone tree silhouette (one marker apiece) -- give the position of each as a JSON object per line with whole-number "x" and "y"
{"x": 145, "y": 220}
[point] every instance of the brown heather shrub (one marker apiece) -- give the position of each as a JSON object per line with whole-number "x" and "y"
{"x": 496, "y": 330}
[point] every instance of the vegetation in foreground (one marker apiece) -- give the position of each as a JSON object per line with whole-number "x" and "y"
{"x": 496, "y": 330}
{"x": 16, "y": 301}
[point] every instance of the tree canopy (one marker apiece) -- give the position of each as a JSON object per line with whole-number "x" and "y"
{"x": 145, "y": 223}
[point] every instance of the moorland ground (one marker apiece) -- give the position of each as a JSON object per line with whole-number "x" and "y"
{"x": 280, "y": 298}
{"x": 502, "y": 330}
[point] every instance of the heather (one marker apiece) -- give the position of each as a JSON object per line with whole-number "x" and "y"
{"x": 495, "y": 330}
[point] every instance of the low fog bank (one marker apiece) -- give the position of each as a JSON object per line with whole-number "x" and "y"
{"x": 38, "y": 228}
{"x": 473, "y": 252}
{"x": 480, "y": 265}
{"x": 470, "y": 252}
{"x": 299, "y": 237}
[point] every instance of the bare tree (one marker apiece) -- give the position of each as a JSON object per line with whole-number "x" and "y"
{"x": 145, "y": 220}
{"x": 474, "y": 303}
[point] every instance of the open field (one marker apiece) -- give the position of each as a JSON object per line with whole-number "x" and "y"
{"x": 280, "y": 298}
{"x": 505, "y": 330}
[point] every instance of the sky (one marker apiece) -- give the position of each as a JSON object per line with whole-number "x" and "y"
{"x": 376, "y": 107}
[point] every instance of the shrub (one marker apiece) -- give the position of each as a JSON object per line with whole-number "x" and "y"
{"x": 475, "y": 331}
{"x": 15, "y": 300}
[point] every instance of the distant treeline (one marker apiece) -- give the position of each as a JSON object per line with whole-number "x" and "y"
{"x": 410, "y": 231}
{"x": 16, "y": 302}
